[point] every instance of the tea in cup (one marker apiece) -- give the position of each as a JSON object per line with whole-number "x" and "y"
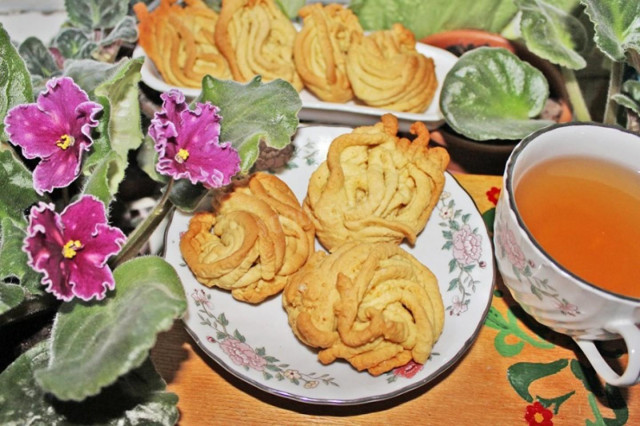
{"x": 567, "y": 236}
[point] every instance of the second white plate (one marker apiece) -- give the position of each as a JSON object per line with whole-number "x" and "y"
{"x": 349, "y": 113}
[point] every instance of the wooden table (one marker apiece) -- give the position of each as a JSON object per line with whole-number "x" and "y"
{"x": 515, "y": 366}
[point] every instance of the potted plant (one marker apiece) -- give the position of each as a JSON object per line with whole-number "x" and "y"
{"x": 557, "y": 32}
{"x": 490, "y": 156}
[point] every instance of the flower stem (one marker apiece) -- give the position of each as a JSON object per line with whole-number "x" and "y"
{"x": 615, "y": 83}
{"x": 143, "y": 231}
{"x": 578, "y": 104}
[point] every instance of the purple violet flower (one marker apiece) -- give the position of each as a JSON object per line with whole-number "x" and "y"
{"x": 71, "y": 249}
{"x": 187, "y": 142}
{"x": 56, "y": 129}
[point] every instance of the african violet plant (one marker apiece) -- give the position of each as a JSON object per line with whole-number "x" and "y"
{"x": 490, "y": 93}
{"x": 65, "y": 150}
{"x": 499, "y": 105}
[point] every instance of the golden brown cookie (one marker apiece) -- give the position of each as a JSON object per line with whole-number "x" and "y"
{"x": 257, "y": 39}
{"x": 386, "y": 71}
{"x": 320, "y": 50}
{"x": 254, "y": 239}
{"x": 375, "y": 186}
{"x": 179, "y": 41}
{"x": 372, "y": 304}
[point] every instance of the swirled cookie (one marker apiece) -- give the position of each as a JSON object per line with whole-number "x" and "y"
{"x": 320, "y": 50}
{"x": 375, "y": 186}
{"x": 374, "y": 305}
{"x": 256, "y": 237}
{"x": 386, "y": 71}
{"x": 179, "y": 41}
{"x": 257, "y": 39}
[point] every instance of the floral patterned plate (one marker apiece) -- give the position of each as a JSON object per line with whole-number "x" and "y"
{"x": 349, "y": 113}
{"x": 256, "y": 344}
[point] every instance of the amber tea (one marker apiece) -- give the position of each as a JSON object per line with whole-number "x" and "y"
{"x": 585, "y": 213}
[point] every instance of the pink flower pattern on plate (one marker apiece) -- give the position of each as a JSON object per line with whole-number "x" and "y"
{"x": 467, "y": 245}
{"x": 242, "y": 354}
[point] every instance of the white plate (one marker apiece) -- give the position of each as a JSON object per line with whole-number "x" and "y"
{"x": 351, "y": 113}
{"x": 255, "y": 343}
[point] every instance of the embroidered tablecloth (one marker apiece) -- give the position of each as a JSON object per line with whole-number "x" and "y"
{"x": 516, "y": 372}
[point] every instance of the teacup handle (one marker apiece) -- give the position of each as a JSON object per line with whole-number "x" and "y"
{"x": 631, "y": 335}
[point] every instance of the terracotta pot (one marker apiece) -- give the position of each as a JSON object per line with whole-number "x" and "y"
{"x": 459, "y": 41}
{"x": 490, "y": 157}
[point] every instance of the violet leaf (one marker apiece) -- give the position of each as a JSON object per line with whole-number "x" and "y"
{"x": 13, "y": 261}
{"x": 94, "y": 344}
{"x": 96, "y": 14}
{"x": 15, "y": 81}
{"x": 617, "y": 26}
{"x": 491, "y": 94}
{"x": 553, "y": 33}
{"x": 139, "y": 397}
{"x": 254, "y": 112}
{"x": 427, "y": 17}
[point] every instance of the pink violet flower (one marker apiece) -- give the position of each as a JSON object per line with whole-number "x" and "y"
{"x": 71, "y": 249}
{"x": 187, "y": 142}
{"x": 56, "y": 129}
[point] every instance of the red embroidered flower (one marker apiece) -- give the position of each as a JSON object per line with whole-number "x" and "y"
{"x": 538, "y": 415}
{"x": 408, "y": 370}
{"x": 493, "y": 194}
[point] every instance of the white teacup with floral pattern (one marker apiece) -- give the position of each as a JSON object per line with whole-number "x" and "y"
{"x": 546, "y": 290}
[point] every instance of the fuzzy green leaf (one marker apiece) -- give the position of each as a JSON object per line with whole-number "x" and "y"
{"x": 630, "y": 98}
{"x": 120, "y": 126}
{"x": 290, "y": 7}
{"x": 89, "y": 73}
{"x": 627, "y": 102}
{"x": 15, "y": 81}
{"x": 17, "y": 193}
{"x": 13, "y": 261}
{"x": 552, "y": 33}
{"x": 491, "y": 94}
{"x": 94, "y": 343}
{"x": 71, "y": 42}
{"x": 147, "y": 158}
{"x": 617, "y": 26}
{"x": 122, "y": 92}
{"x": 11, "y": 295}
{"x": 97, "y": 184}
{"x": 96, "y": 14}
{"x": 254, "y": 112}
{"x": 140, "y": 397}
{"x": 125, "y": 31}
{"x": 39, "y": 60}
{"x": 428, "y": 17}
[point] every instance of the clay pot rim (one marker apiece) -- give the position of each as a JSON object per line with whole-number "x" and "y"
{"x": 447, "y": 38}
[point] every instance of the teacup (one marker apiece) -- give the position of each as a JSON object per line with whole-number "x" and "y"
{"x": 550, "y": 292}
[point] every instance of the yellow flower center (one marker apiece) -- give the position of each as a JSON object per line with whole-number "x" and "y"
{"x": 65, "y": 141}
{"x": 182, "y": 155}
{"x": 69, "y": 249}
{"x": 538, "y": 417}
